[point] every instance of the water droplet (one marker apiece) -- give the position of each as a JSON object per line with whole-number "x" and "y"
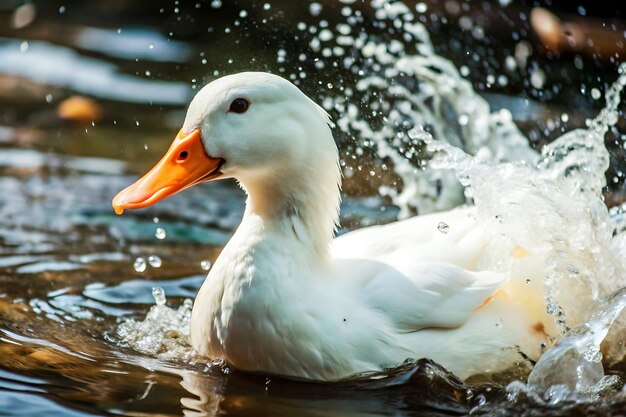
{"x": 595, "y": 93}
{"x": 148, "y": 73}
{"x": 61, "y": 9}
{"x": 325, "y": 35}
{"x": 24, "y": 46}
{"x": 48, "y": 98}
{"x": 205, "y": 265}
{"x": 154, "y": 261}
{"x": 578, "y": 62}
{"x": 243, "y": 14}
{"x": 155, "y": 219}
{"x": 443, "y": 227}
{"x": 315, "y": 9}
{"x": 159, "y": 295}
{"x": 538, "y": 78}
{"x": 140, "y": 264}
{"x": 528, "y": 281}
{"x": 151, "y": 45}
{"x": 267, "y": 6}
{"x": 510, "y": 63}
{"x": 160, "y": 233}
{"x": 421, "y": 7}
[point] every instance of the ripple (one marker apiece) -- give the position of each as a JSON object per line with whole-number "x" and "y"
{"x": 29, "y": 158}
{"x": 68, "y": 69}
{"x": 10, "y": 261}
{"x": 133, "y": 43}
{"x": 47, "y": 266}
{"x": 139, "y": 291}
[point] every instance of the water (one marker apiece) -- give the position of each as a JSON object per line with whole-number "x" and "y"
{"x": 95, "y": 308}
{"x": 579, "y": 357}
{"x": 575, "y": 162}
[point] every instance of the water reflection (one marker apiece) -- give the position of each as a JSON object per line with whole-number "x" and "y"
{"x": 416, "y": 389}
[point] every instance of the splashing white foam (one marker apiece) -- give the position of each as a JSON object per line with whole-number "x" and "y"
{"x": 557, "y": 205}
{"x": 163, "y": 333}
{"x": 406, "y": 84}
{"x": 577, "y": 356}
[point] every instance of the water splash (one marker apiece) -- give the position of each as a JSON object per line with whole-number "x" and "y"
{"x": 577, "y": 357}
{"x": 557, "y": 205}
{"x": 163, "y": 333}
{"x": 404, "y": 84}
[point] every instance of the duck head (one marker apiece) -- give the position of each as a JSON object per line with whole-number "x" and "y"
{"x": 257, "y": 128}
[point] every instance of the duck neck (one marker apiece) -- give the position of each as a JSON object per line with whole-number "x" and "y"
{"x": 303, "y": 210}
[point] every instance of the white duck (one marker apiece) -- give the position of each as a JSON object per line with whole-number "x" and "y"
{"x": 285, "y": 298}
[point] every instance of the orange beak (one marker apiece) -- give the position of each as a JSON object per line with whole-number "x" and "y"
{"x": 185, "y": 164}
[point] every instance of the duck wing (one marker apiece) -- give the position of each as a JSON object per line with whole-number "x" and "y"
{"x": 427, "y": 294}
{"x": 453, "y": 236}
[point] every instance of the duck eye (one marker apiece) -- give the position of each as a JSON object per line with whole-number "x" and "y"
{"x": 239, "y": 105}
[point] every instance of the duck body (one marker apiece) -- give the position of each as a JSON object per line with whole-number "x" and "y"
{"x": 270, "y": 310}
{"x": 285, "y": 298}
